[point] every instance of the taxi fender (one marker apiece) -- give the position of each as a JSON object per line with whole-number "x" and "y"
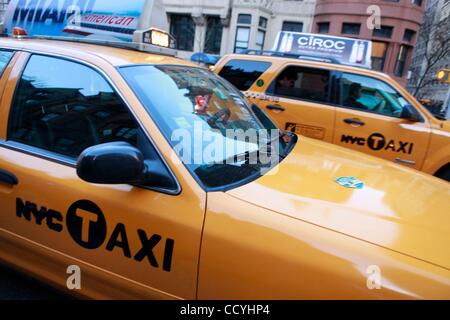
{"x": 437, "y": 158}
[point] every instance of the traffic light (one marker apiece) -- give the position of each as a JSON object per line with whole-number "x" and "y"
{"x": 444, "y": 75}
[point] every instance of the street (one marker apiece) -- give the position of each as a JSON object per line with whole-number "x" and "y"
{"x": 16, "y": 286}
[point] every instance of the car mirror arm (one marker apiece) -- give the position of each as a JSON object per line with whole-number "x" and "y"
{"x": 410, "y": 113}
{"x": 156, "y": 175}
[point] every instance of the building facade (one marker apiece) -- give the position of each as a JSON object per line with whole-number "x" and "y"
{"x": 3, "y": 6}
{"x": 392, "y": 26}
{"x": 437, "y": 15}
{"x": 226, "y": 26}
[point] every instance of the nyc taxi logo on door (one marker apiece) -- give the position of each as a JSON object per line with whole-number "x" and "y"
{"x": 378, "y": 142}
{"x": 87, "y": 226}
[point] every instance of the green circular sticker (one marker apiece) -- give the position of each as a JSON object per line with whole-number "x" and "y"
{"x": 260, "y": 83}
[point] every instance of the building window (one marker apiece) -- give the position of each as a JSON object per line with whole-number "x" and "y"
{"x": 242, "y": 39}
{"x": 409, "y": 35}
{"x": 401, "y": 61}
{"x": 213, "y": 37}
{"x": 263, "y": 22}
{"x": 183, "y": 30}
{"x": 351, "y": 28}
{"x": 417, "y": 2}
{"x": 323, "y": 27}
{"x": 383, "y": 32}
{"x": 242, "y": 33}
{"x": 379, "y": 50}
{"x": 261, "y": 34}
{"x": 244, "y": 19}
{"x": 292, "y": 26}
{"x": 260, "y": 38}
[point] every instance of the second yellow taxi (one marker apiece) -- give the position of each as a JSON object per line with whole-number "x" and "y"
{"x": 352, "y": 107}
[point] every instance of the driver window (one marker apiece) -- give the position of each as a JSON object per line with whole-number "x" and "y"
{"x": 65, "y": 107}
{"x": 369, "y": 94}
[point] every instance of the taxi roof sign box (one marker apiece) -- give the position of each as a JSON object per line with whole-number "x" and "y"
{"x": 106, "y": 21}
{"x": 349, "y": 51}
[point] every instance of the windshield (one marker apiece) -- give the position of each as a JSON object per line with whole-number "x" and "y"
{"x": 208, "y": 123}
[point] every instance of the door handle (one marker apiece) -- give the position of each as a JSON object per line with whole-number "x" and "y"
{"x": 8, "y": 178}
{"x": 408, "y": 162}
{"x": 276, "y": 107}
{"x": 354, "y": 121}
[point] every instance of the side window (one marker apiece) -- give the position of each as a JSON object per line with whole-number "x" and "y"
{"x": 66, "y": 107}
{"x": 369, "y": 94}
{"x": 302, "y": 83}
{"x": 243, "y": 73}
{"x": 5, "y": 57}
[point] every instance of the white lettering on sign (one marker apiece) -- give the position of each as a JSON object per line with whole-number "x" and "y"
{"x": 317, "y": 42}
{"x": 109, "y": 19}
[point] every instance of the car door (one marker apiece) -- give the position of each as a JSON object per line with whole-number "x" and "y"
{"x": 302, "y": 103}
{"x": 369, "y": 119}
{"x": 128, "y": 241}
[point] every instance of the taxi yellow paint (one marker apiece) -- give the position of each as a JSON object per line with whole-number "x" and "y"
{"x": 424, "y": 145}
{"x": 292, "y": 234}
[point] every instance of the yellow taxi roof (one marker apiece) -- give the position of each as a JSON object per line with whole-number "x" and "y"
{"x": 277, "y": 61}
{"x": 115, "y": 56}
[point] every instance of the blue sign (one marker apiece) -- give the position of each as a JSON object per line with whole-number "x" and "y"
{"x": 115, "y": 19}
{"x": 348, "y": 51}
{"x": 200, "y": 57}
{"x": 350, "y": 182}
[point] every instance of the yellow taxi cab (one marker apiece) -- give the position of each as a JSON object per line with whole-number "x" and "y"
{"x": 349, "y": 106}
{"x": 92, "y": 178}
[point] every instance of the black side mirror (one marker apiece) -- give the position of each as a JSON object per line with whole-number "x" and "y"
{"x": 410, "y": 113}
{"x": 111, "y": 163}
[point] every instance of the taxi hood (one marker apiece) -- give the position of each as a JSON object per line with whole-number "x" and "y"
{"x": 397, "y": 208}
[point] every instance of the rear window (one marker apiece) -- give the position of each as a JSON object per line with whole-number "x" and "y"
{"x": 243, "y": 73}
{"x": 5, "y": 57}
{"x": 303, "y": 84}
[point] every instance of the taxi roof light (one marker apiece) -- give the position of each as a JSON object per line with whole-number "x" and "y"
{"x": 19, "y": 32}
{"x": 156, "y": 37}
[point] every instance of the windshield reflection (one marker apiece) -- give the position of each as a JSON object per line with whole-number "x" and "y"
{"x": 208, "y": 123}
